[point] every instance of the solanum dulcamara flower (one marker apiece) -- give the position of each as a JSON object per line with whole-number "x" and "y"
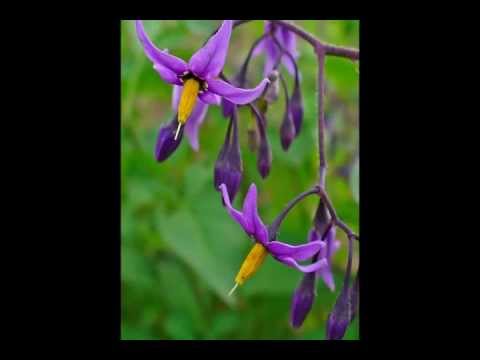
{"x": 265, "y": 242}
{"x": 199, "y": 77}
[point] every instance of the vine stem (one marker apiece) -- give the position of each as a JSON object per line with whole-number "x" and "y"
{"x": 329, "y": 49}
{"x": 321, "y": 116}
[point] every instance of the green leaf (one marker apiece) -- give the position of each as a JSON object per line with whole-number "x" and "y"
{"x": 179, "y": 327}
{"x": 178, "y": 293}
{"x": 185, "y": 237}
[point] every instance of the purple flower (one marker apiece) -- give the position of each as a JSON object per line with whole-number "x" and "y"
{"x": 228, "y": 167}
{"x": 199, "y": 77}
{"x": 272, "y": 53}
{"x": 253, "y": 226}
{"x": 343, "y": 312}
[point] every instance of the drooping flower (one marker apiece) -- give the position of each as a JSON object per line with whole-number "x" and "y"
{"x": 265, "y": 242}
{"x": 287, "y": 40}
{"x": 198, "y": 77}
{"x": 228, "y": 167}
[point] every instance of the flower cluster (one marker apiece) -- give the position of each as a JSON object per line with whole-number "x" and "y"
{"x": 199, "y": 83}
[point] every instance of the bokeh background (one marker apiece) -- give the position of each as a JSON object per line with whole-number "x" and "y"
{"x": 180, "y": 250}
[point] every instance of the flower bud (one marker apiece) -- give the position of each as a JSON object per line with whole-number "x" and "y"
{"x": 228, "y": 167}
{"x": 287, "y": 131}
{"x": 166, "y": 143}
{"x": 264, "y": 158}
{"x": 343, "y": 312}
{"x": 303, "y": 299}
{"x": 296, "y": 107}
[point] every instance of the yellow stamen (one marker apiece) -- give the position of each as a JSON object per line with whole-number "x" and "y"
{"x": 250, "y": 265}
{"x": 188, "y": 100}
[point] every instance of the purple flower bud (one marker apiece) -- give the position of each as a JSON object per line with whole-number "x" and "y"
{"x": 343, "y": 312}
{"x": 228, "y": 167}
{"x": 166, "y": 143}
{"x": 303, "y": 299}
{"x": 296, "y": 107}
{"x": 264, "y": 159}
{"x": 287, "y": 131}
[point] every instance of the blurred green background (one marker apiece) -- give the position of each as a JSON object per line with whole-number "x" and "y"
{"x": 180, "y": 250}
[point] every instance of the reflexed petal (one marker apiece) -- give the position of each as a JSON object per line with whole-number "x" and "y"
{"x": 250, "y": 213}
{"x": 227, "y": 108}
{"x": 289, "y": 42}
{"x": 327, "y": 277}
{"x": 287, "y": 62}
{"x": 303, "y": 268}
{"x": 193, "y": 124}
{"x": 209, "y": 60}
{"x": 270, "y": 61}
{"x": 156, "y": 55}
{"x": 312, "y": 235}
{"x": 260, "y": 48}
{"x": 329, "y": 239}
{"x": 235, "y": 214}
{"x": 167, "y": 75}
{"x": 210, "y": 98}
{"x": 236, "y": 95}
{"x": 297, "y": 252}
{"x": 177, "y": 92}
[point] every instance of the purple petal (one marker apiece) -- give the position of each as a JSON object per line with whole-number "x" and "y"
{"x": 287, "y": 62}
{"x": 235, "y": 214}
{"x": 210, "y": 98}
{"x": 289, "y": 41}
{"x": 236, "y": 95}
{"x": 250, "y": 213}
{"x": 209, "y": 60}
{"x": 193, "y": 124}
{"x": 177, "y": 92}
{"x": 260, "y": 48}
{"x": 167, "y": 75}
{"x": 227, "y": 108}
{"x": 298, "y": 252}
{"x": 329, "y": 239}
{"x": 303, "y": 268}
{"x": 313, "y": 236}
{"x": 158, "y": 56}
{"x": 270, "y": 60}
{"x": 327, "y": 277}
